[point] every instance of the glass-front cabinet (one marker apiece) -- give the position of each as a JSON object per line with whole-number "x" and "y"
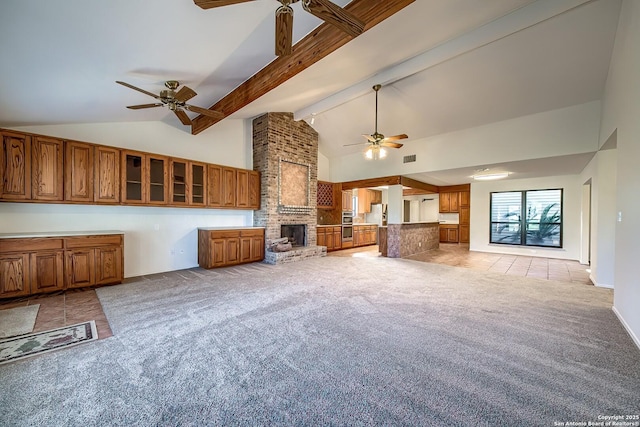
{"x": 198, "y": 180}
{"x": 179, "y": 184}
{"x": 145, "y": 179}
{"x": 133, "y": 165}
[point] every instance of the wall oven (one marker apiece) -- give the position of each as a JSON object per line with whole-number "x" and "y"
{"x": 347, "y": 232}
{"x": 347, "y": 218}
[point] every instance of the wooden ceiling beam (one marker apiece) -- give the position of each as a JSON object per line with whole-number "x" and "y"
{"x": 325, "y": 39}
{"x": 409, "y": 182}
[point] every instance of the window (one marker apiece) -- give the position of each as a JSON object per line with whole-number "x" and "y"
{"x": 530, "y": 218}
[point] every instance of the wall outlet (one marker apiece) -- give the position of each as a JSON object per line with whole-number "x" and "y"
{"x": 156, "y": 227}
{"x": 419, "y": 244}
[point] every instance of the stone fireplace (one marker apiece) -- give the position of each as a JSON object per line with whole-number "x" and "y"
{"x": 285, "y": 152}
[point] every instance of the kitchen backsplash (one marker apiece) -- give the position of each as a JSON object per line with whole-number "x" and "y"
{"x": 449, "y": 218}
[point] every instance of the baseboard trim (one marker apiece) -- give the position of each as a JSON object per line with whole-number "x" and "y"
{"x": 599, "y": 285}
{"x": 633, "y": 336}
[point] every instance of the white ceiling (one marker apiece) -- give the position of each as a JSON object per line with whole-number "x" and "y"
{"x": 445, "y": 65}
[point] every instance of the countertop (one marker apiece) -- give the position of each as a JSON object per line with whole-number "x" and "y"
{"x": 57, "y": 234}
{"x": 231, "y": 227}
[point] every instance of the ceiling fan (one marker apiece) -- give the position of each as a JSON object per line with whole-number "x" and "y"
{"x": 176, "y": 101}
{"x": 323, "y": 9}
{"x": 377, "y": 140}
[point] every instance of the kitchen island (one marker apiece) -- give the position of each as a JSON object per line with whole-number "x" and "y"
{"x": 402, "y": 240}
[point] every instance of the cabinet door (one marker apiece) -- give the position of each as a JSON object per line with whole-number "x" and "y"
{"x": 330, "y": 240}
{"x": 133, "y": 175}
{"x": 465, "y": 199}
{"x": 347, "y": 200}
{"x": 79, "y": 266}
{"x": 452, "y": 235}
{"x": 257, "y": 248}
{"x": 218, "y": 249}
{"x": 321, "y": 236}
{"x": 15, "y": 166}
{"x": 443, "y": 235}
{"x": 444, "y": 202}
{"x": 242, "y": 188}
{"x": 245, "y": 249}
{"x": 464, "y": 233}
{"x": 254, "y": 190}
{"x": 454, "y": 199}
{"x": 464, "y": 215}
{"x": 108, "y": 264}
{"x": 14, "y": 275}
{"x": 157, "y": 179}
{"x": 107, "y": 175}
{"x": 214, "y": 190}
{"x": 179, "y": 182}
{"x": 198, "y": 188}
{"x": 229, "y": 187}
{"x": 232, "y": 251}
{"x": 47, "y": 271}
{"x": 337, "y": 238}
{"x": 46, "y": 168}
{"x": 78, "y": 172}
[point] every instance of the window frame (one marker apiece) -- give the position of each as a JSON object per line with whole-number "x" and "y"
{"x": 523, "y": 220}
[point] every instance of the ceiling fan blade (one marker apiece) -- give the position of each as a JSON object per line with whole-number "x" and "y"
{"x": 369, "y": 137}
{"x": 141, "y": 106}
{"x": 396, "y": 137}
{"x": 138, "y": 89}
{"x": 284, "y": 30}
{"x": 205, "y": 112}
{"x": 209, "y": 4}
{"x": 390, "y": 144}
{"x": 183, "y": 117}
{"x": 184, "y": 94}
{"x": 357, "y": 143}
{"x": 335, "y": 15}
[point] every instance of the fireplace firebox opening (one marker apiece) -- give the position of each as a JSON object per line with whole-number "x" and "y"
{"x": 296, "y": 233}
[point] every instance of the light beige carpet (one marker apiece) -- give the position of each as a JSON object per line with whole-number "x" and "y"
{"x": 18, "y": 321}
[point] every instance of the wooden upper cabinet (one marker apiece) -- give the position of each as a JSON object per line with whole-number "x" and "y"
{"x": 107, "y": 175}
{"x": 242, "y": 188}
{"x": 197, "y": 195}
{"x": 134, "y": 169}
{"x": 465, "y": 199}
{"x": 15, "y": 166}
{"x": 78, "y": 172}
{"x": 156, "y": 179}
{"x": 449, "y": 202}
{"x": 179, "y": 182}
{"x": 254, "y": 190}
{"x": 214, "y": 187}
{"x": 47, "y": 159}
{"x": 229, "y": 187}
{"x": 347, "y": 200}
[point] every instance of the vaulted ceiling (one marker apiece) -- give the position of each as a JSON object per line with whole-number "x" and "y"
{"x": 444, "y": 65}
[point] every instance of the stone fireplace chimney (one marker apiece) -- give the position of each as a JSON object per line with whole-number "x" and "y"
{"x": 285, "y": 152}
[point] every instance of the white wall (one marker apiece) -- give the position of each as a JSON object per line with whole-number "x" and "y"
{"x": 324, "y": 172}
{"x": 424, "y": 210}
{"x": 602, "y": 173}
{"x": 560, "y": 132}
{"x": 173, "y": 245}
{"x": 621, "y": 110}
{"x": 480, "y": 215}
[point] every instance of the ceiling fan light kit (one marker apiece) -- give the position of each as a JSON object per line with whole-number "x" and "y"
{"x": 377, "y": 141}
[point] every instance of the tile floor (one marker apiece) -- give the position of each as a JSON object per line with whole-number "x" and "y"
{"x": 79, "y": 306}
{"x": 64, "y": 309}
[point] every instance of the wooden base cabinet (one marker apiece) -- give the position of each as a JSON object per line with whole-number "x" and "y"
{"x": 225, "y": 247}
{"x": 329, "y": 236}
{"x": 365, "y": 235}
{"x": 449, "y": 233}
{"x": 35, "y": 265}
